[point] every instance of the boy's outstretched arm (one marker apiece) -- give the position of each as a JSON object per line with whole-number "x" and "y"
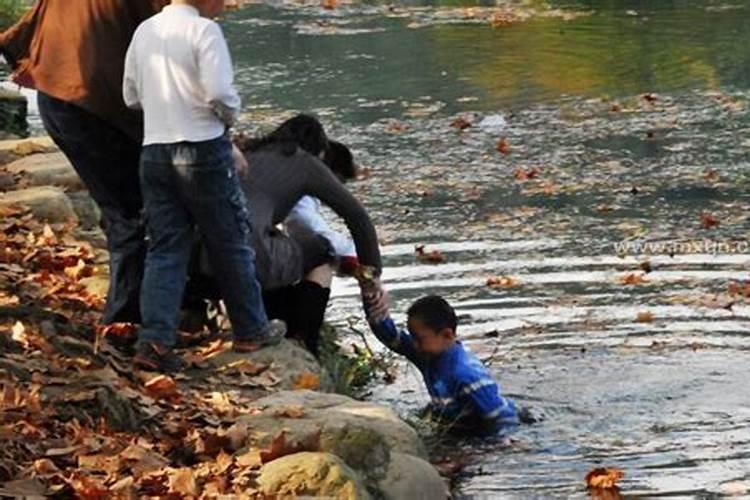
{"x": 394, "y": 339}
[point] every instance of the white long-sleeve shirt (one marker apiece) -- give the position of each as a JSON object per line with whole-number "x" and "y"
{"x": 305, "y": 216}
{"x": 179, "y": 71}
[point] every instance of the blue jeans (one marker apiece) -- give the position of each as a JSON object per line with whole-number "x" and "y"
{"x": 106, "y": 160}
{"x": 187, "y": 184}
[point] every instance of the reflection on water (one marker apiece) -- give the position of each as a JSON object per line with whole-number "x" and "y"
{"x": 628, "y": 124}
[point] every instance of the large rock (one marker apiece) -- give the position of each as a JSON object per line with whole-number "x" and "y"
{"x": 48, "y": 203}
{"x": 363, "y": 434}
{"x": 411, "y": 478}
{"x": 310, "y": 474}
{"x": 291, "y": 362}
{"x": 52, "y": 169}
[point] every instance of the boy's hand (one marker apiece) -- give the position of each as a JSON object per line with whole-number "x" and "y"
{"x": 376, "y": 300}
{"x": 240, "y": 162}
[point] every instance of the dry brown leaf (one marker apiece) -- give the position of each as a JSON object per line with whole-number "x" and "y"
{"x": 281, "y": 447}
{"x": 27, "y": 148}
{"x": 295, "y": 411}
{"x": 502, "y": 282}
{"x": 161, "y": 387}
{"x": 307, "y": 380}
{"x": 633, "y": 279}
{"x": 246, "y": 366}
{"x": 604, "y": 478}
{"x": 524, "y": 174}
{"x": 18, "y": 333}
{"x": 182, "y": 481}
{"x": 461, "y": 123}
{"x": 645, "y": 317}
{"x": 708, "y": 221}
{"x": 431, "y": 257}
{"x": 502, "y": 146}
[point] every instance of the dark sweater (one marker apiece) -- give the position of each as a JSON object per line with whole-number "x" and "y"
{"x": 273, "y": 185}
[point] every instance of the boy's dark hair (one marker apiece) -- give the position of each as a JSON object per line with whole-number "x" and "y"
{"x": 303, "y": 131}
{"x": 339, "y": 159}
{"x": 434, "y": 312}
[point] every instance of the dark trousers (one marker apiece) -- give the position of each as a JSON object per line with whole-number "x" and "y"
{"x": 190, "y": 184}
{"x": 302, "y": 307}
{"x": 106, "y": 159}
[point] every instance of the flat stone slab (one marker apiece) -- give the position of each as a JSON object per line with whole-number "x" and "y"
{"x": 51, "y": 169}
{"x": 47, "y": 203}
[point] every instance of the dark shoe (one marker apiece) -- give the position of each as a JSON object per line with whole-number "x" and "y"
{"x": 274, "y": 334}
{"x": 153, "y": 357}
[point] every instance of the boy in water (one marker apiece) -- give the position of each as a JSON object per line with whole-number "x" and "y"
{"x": 179, "y": 71}
{"x": 464, "y": 395}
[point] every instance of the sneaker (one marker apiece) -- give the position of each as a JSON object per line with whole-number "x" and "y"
{"x": 154, "y": 357}
{"x": 274, "y": 334}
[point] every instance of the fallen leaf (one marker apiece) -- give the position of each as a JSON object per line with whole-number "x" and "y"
{"x": 711, "y": 175}
{"x": 708, "y": 221}
{"x": 161, "y": 387}
{"x": 27, "y": 148}
{"x": 281, "y": 447}
{"x": 45, "y": 467}
{"x": 307, "y": 380}
{"x": 645, "y": 317}
{"x": 605, "y": 478}
{"x": 502, "y": 146}
{"x": 182, "y": 481}
{"x": 296, "y": 411}
{"x": 524, "y": 174}
{"x": 245, "y": 366}
{"x": 80, "y": 270}
{"x": 18, "y": 333}
{"x": 633, "y": 279}
{"x": 502, "y": 282}
{"x": 461, "y": 123}
{"x": 431, "y": 257}
{"x": 329, "y": 4}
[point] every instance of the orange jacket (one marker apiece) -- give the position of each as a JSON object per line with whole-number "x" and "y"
{"x": 75, "y": 51}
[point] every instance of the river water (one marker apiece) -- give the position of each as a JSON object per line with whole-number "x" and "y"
{"x": 625, "y": 125}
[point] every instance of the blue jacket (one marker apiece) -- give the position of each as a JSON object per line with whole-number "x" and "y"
{"x": 461, "y": 389}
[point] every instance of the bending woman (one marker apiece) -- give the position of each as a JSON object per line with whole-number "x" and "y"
{"x": 296, "y": 271}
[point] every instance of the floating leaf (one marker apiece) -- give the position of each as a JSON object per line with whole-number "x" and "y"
{"x": 461, "y": 123}
{"x": 502, "y": 146}
{"x": 633, "y": 279}
{"x": 604, "y": 478}
{"x": 645, "y": 317}
{"x": 708, "y": 221}
{"x": 502, "y": 282}
{"x": 431, "y": 257}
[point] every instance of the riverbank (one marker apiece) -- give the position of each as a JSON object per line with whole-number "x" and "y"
{"x": 78, "y": 421}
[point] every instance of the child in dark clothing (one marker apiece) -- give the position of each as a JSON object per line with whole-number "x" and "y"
{"x": 463, "y": 392}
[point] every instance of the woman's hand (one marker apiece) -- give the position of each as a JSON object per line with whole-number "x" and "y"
{"x": 240, "y": 162}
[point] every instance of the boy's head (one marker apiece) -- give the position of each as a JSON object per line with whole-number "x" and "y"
{"x": 339, "y": 159}
{"x": 207, "y": 8}
{"x": 432, "y": 324}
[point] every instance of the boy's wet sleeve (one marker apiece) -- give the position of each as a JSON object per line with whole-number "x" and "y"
{"x": 396, "y": 340}
{"x": 483, "y": 395}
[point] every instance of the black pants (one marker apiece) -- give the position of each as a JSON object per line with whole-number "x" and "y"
{"x": 107, "y": 160}
{"x": 302, "y": 307}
